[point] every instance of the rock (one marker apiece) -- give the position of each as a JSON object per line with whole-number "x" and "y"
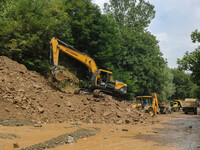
{"x": 97, "y": 100}
{"x": 36, "y": 86}
{"x": 119, "y": 114}
{"x": 24, "y": 107}
{"x": 109, "y": 97}
{"x": 6, "y": 109}
{"x": 15, "y": 145}
{"x": 90, "y": 121}
{"x": 57, "y": 104}
{"x": 88, "y": 98}
{"x": 40, "y": 109}
{"x": 119, "y": 122}
{"x": 69, "y": 104}
{"x": 37, "y": 125}
{"x": 106, "y": 113}
{"x": 127, "y": 121}
{"x": 70, "y": 139}
{"x": 155, "y": 132}
{"x": 93, "y": 109}
{"x": 124, "y": 129}
{"x": 136, "y": 119}
{"x": 128, "y": 110}
{"x": 61, "y": 75}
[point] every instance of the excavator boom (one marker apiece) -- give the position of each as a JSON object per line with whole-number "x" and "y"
{"x": 83, "y": 58}
{"x": 101, "y": 79}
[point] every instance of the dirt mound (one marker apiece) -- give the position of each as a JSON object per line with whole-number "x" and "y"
{"x": 27, "y": 95}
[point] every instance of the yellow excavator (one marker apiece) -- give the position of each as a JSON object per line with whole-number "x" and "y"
{"x": 148, "y": 104}
{"x": 176, "y": 104}
{"x": 102, "y": 81}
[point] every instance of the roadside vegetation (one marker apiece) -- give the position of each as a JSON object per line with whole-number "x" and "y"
{"x": 117, "y": 39}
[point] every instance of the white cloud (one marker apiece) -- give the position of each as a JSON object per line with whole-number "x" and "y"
{"x": 177, "y": 19}
{"x": 162, "y": 37}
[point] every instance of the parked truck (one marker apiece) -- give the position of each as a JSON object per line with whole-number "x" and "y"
{"x": 190, "y": 105}
{"x": 165, "y": 107}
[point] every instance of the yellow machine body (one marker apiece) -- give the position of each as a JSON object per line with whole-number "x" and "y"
{"x": 148, "y": 104}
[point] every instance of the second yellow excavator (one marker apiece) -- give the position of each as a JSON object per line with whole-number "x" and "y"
{"x": 101, "y": 80}
{"x": 148, "y": 104}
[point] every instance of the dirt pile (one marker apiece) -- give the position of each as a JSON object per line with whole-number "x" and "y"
{"x": 27, "y": 95}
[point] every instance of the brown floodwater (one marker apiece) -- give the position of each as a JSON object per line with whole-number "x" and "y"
{"x": 175, "y": 131}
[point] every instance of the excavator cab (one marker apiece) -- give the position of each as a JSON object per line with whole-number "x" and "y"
{"x": 144, "y": 102}
{"x": 103, "y": 79}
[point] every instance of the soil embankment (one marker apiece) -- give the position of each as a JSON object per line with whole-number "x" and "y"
{"x": 26, "y": 95}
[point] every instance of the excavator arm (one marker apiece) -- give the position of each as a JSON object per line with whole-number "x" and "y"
{"x": 101, "y": 79}
{"x": 83, "y": 58}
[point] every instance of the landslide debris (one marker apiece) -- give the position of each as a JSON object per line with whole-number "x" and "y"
{"x": 26, "y": 95}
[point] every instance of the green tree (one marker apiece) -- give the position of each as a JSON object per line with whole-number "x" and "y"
{"x": 26, "y": 28}
{"x": 183, "y": 85}
{"x": 140, "y": 55}
{"x": 195, "y": 36}
{"x": 93, "y": 33}
{"x": 191, "y": 62}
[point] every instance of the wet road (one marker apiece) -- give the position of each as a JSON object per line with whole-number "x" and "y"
{"x": 176, "y": 131}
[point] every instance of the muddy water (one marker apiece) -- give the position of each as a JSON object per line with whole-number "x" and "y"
{"x": 167, "y": 132}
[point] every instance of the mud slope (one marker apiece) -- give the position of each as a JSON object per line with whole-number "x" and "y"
{"x": 27, "y": 95}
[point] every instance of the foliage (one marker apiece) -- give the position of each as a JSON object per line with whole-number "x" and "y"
{"x": 183, "y": 84}
{"x": 117, "y": 40}
{"x": 93, "y": 32}
{"x": 26, "y": 27}
{"x": 140, "y": 55}
{"x": 195, "y": 36}
{"x": 191, "y": 62}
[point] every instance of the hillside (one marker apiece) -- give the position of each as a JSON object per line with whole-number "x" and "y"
{"x": 27, "y": 95}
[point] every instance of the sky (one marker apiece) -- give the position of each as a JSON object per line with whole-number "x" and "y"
{"x": 173, "y": 24}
